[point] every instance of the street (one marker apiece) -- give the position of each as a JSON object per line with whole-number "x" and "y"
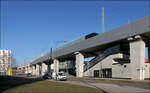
{"x": 109, "y": 87}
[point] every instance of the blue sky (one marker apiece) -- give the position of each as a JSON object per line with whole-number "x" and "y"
{"x": 28, "y": 26}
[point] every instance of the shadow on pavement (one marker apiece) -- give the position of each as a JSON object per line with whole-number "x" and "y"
{"x": 7, "y": 82}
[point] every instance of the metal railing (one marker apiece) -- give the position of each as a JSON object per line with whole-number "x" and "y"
{"x": 97, "y": 59}
{"x": 94, "y": 61}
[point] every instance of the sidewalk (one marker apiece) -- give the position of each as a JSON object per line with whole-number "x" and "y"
{"x": 113, "y": 85}
{"x": 114, "y": 80}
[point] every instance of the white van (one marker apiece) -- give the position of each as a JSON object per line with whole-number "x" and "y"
{"x": 61, "y": 76}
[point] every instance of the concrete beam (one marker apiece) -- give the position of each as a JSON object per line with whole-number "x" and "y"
{"x": 137, "y": 57}
{"x": 56, "y": 65}
{"x": 79, "y": 64}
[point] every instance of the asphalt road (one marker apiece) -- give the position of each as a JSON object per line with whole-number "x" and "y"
{"x": 111, "y": 87}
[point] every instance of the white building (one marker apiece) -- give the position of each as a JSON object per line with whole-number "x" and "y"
{"x": 5, "y": 61}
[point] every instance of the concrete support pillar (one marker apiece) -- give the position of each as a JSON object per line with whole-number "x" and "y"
{"x": 23, "y": 69}
{"x": 137, "y": 58}
{"x": 56, "y": 65}
{"x": 33, "y": 70}
{"x": 79, "y": 64}
{"x": 44, "y": 68}
{"x": 30, "y": 69}
{"x": 37, "y": 69}
{"x": 26, "y": 69}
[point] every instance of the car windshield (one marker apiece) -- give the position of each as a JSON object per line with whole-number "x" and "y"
{"x": 61, "y": 74}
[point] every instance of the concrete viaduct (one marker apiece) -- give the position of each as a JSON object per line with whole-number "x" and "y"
{"x": 136, "y": 34}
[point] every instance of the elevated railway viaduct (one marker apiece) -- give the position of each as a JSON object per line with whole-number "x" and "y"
{"x": 118, "y": 49}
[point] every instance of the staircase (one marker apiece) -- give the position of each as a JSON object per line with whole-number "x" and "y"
{"x": 94, "y": 61}
{"x": 101, "y": 57}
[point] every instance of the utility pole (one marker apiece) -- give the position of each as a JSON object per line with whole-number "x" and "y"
{"x": 50, "y": 56}
{"x": 51, "y": 49}
{"x": 103, "y": 20}
{"x": 101, "y": 70}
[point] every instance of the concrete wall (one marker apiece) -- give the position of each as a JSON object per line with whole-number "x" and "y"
{"x": 136, "y": 69}
{"x": 119, "y": 71}
{"x": 106, "y": 63}
{"x": 147, "y": 70}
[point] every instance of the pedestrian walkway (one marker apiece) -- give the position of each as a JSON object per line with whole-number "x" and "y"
{"x": 111, "y": 87}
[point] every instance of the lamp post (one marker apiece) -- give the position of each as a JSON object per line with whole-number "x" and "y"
{"x": 51, "y": 49}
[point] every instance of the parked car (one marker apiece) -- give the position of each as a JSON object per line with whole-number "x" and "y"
{"x": 61, "y": 76}
{"x": 28, "y": 74}
{"x": 47, "y": 76}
